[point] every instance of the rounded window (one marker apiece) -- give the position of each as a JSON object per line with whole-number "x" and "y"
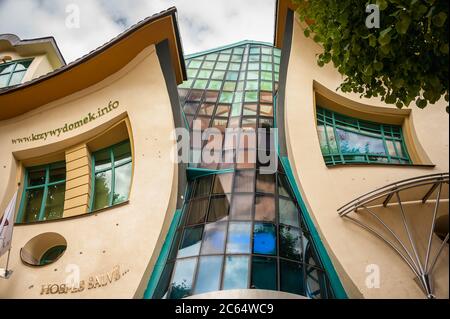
{"x": 44, "y": 249}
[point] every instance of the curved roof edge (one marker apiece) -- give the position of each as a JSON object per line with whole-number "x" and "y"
{"x": 108, "y": 58}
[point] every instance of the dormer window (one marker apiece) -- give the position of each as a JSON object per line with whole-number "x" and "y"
{"x": 12, "y": 73}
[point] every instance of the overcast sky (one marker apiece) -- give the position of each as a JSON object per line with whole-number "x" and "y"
{"x": 204, "y": 24}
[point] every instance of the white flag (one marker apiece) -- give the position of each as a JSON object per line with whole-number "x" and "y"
{"x": 6, "y": 226}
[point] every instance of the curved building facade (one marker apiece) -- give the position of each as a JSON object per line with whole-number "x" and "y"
{"x": 238, "y": 172}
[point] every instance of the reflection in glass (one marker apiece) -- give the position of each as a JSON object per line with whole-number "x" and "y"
{"x": 214, "y": 238}
{"x": 190, "y": 244}
{"x": 290, "y": 243}
{"x": 291, "y": 277}
{"x": 54, "y": 206}
{"x": 244, "y": 181}
{"x": 239, "y": 235}
{"x": 355, "y": 143}
{"x": 122, "y": 183}
{"x": 102, "y": 191}
{"x": 288, "y": 213}
{"x": 222, "y": 183}
{"x": 264, "y": 273}
{"x": 203, "y": 186}
{"x": 208, "y": 276}
{"x": 36, "y": 178}
{"x": 197, "y": 211}
{"x": 182, "y": 278}
{"x": 241, "y": 207}
{"x": 264, "y": 239}
{"x": 236, "y": 272}
{"x": 33, "y": 202}
{"x": 265, "y": 208}
{"x": 219, "y": 208}
{"x": 265, "y": 183}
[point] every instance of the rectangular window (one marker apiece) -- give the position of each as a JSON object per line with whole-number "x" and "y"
{"x": 43, "y": 194}
{"x": 12, "y": 73}
{"x": 346, "y": 140}
{"x": 111, "y": 175}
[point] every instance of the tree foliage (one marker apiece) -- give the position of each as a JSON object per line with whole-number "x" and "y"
{"x": 404, "y": 60}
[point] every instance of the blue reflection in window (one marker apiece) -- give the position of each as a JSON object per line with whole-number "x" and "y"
{"x": 208, "y": 277}
{"x": 239, "y": 238}
{"x": 182, "y": 278}
{"x": 264, "y": 239}
{"x": 236, "y": 272}
{"x": 360, "y": 144}
{"x": 214, "y": 238}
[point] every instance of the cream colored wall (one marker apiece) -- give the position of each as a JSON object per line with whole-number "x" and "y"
{"x": 326, "y": 189}
{"x": 129, "y": 235}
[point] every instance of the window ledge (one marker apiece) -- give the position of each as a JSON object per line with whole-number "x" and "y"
{"x": 381, "y": 164}
{"x": 93, "y": 213}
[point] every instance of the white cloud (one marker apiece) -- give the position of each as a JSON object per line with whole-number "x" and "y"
{"x": 204, "y": 24}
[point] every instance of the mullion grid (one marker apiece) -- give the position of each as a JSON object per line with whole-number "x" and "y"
{"x": 245, "y": 58}
{"x": 278, "y": 258}
{"x": 13, "y": 70}
{"x": 44, "y": 186}
{"x": 328, "y": 118}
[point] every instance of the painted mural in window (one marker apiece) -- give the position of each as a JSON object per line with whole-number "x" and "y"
{"x": 43, "y": 195}
{"x": 12, "y": 73}
{"x": 111, "y": 175}
{"x": 346, "y": 140}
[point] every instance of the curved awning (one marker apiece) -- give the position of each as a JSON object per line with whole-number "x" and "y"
{"x": 405, "y": 215}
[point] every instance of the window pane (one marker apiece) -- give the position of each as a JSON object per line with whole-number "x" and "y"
{"x": 54, "y": 205}
{"x": 323, "y": 139}
{"x": 219, "y": 208}
{"x": 22, "y": 65}
{"x": 58, "y": 174}
{"x": 222, "y": 183}
{"x": 208, "y": 276}
{"x": 32, "y": 206}
{"x": 163, "y": 284}
{"x": 122, "y": 183}
{"x": 214, "y": 238}
{"x": 16, "y": 78}
{"x": 36, "y": 178}
{"x": 291, "y": 278}
{"x": 239, "y": 238}
{"x": 8, "y": 68}
{"x": 244, "y": 181}
{"x": 283, "y": 186}
{"x": 122, "y": 153}
{"x": 4, "y": 80}
{"x": 290, "y": 243}
{"x": 265, "y": 183}
{"x": 102, "y": 160}
{"x": 102, "y": 189}
{"x": 190, "y": 244}
{"x": 182, "y": 278}
{"x": 236, "y": 272}
{"x": 241, "y": 208}
{"x": 203, "y": 186}
{"x": 264, "y": 273}
{"x": 288, "y": 213}
{"x": 197, "y": 211}
{"x": 264, "y": 239}
{"x": 265, "y": 208}
{"x": 355, "y": 143}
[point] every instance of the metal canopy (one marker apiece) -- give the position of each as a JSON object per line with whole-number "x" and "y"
{"x": 376, "y": 210}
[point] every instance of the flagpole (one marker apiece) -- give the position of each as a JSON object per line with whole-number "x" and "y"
{"x": 7, "y": 263}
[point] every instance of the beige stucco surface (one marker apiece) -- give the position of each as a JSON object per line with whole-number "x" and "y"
{"x": 326, "y": 189}
{"x": 129, "y": 236}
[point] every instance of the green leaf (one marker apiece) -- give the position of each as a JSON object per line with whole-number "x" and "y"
{"x": 403, "y": 23}
{"x": 382, "y": 4}
{"x": 444, "y": 48}
{"x": 421, "y": 103}
{"x": 378, "y": 66}
{"x": 372, "y": 41}
{"x": 385, "y": 37}
{"x": 439, "y": 19}
{"x": 307, "y": 33}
